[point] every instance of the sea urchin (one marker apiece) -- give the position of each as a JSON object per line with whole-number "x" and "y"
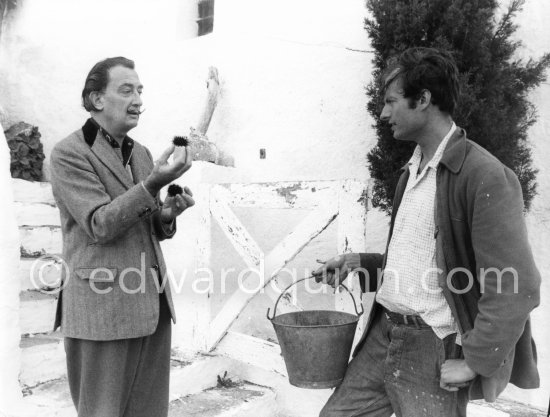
{"x": 180, "y": 141}
{"x": 174, "y": 189}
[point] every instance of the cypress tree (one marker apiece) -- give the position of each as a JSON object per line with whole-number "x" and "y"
{"x": 493, "y": 107}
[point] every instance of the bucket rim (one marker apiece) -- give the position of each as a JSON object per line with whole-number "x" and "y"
{"x": 354, "y": 317}
{"x": 359, "y": 313}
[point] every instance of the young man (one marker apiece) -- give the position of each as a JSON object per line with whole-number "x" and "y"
{"x": 451, "y": 314}
{"x": 115, "y": 306}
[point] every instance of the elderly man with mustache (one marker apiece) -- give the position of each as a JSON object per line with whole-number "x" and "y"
{"x": 115, "y": 307}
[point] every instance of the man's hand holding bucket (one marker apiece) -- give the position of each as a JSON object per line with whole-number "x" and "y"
{"x": 334, "y": 271}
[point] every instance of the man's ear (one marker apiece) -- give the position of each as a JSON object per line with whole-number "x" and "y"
{"x": 96, "y": 97}
{"x": 425, "y": 99}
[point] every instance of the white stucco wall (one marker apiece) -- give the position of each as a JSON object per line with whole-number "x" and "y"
{"x": 289, "y": 83}
{"x": 10, "y": 354}
{"x": 294, "y": 86}
{"x": 293, "y": 75}
{"x": 49, "y": 47}
{"x": 534, "y": 33}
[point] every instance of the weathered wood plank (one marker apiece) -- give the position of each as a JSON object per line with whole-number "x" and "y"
{"x": 301, "y": 194}
{"x": 36, "y": 315}
{"x": 41, "y": 240}
{"x": 309, "y": 228}
{"x": 199, "y": 374}
{"x": 252, "y": 351}
{"x": 32, "y": 192}
{"x": 42, "y": 363}
{"x": 36, "y": 214}
{"x": 39, "y": 273}
{"x": 201, "y": 304}
{"x": 284, "y": 252}
{"x": 234, "y": 230}
{"x": 352, "y": 208}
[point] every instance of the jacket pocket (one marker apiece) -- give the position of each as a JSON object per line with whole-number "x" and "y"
{"x": 100, "y": 273}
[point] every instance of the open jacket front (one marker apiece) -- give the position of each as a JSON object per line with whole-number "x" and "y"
{"x": 113, "y": 263}
{"x": 487, "y": 271}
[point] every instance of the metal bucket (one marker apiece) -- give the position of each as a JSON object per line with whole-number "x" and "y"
{"x": 315, "y": 344}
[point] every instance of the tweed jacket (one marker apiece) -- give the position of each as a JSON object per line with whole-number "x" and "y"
{"x": 111, "y": 230}
{"x": 480, "y": 225}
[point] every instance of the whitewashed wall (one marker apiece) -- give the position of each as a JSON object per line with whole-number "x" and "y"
{"x": 534, "y": 33}
{"x": 10, "y": 354}
{"x": 295, "y": 73}
{"x": 289, "y": 83}
{"x": 48, "y": 48}
{"x": 292, "y": 73}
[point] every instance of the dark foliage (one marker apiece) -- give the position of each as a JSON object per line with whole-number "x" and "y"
{"x": 26, "y": 151}
{"x": 493, "y": 106}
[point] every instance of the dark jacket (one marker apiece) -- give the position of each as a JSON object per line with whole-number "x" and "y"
{"x": 480, "y": 229}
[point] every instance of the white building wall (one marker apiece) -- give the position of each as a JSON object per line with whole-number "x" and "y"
{"x": 49, "y": 47}
{"x": 10, "y": 354}
{"x": 290, "y": 85}
{"x": 534, "y": 33}
{"x": 293, "y": 75}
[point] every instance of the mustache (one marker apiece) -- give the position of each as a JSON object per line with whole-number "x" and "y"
{"x": 136, "y": 110}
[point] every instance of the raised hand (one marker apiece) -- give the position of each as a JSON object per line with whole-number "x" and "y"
{"x": 164, "y": 173}
{"x": 334, "y": 271}
{"x": 174, "y": 206}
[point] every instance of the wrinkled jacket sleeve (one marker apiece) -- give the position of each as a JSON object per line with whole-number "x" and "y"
{"x": 509, "y": 280}
{"x": 371, "y": 265}
{"x": 78, "y": 189}
{"x": 162, "y": 230}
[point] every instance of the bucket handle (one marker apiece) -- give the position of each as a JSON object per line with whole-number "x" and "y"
{"x": 303, "y": 279}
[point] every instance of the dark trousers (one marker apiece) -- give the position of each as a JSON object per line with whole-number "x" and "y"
{"x": 397, "y": 371}
{"x": 122, "y": 378}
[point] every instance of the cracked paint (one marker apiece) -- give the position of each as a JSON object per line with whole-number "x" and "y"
{"x": 287, "y": 192}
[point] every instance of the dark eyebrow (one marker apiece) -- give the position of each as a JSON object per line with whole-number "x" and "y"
{"x": 130, "y": 85}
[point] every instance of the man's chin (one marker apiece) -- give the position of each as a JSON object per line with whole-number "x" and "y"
{"x": 133, "y": 122}
{"x": 401, "y": 138}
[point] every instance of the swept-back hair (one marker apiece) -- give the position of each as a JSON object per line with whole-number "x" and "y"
{"x": 429, "y": 69}
{"x": 98, "y": 78}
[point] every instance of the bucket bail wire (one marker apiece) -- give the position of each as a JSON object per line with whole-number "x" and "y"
{"x": 315, "y": 344}
{"x": 359, "y": 313}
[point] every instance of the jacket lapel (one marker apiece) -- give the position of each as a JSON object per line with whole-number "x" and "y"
{"x": 140, "y": 163}
{"x": 103, "y": 150}
{"x": 455, "y": 152}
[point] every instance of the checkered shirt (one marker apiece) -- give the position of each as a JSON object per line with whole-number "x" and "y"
{"x": 410, "y": 284}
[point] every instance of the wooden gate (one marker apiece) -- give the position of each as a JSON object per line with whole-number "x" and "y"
{"x": 327, "y": 201}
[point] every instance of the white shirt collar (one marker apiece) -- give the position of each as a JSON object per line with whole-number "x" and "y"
{"x": 417, "y": 155}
